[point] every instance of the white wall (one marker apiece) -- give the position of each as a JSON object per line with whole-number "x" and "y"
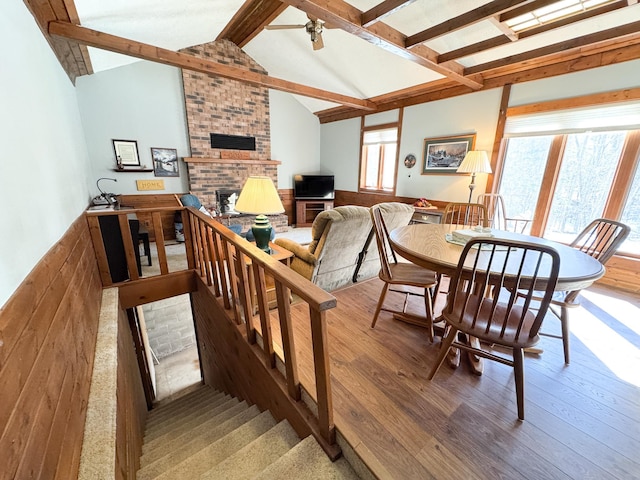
{"x": 143, "y": 102}
{"x": 472, "y": 113}
{"x": 43, "y": 184}
{"x": 295, "y": 137}
{"x": 340, "y": 151}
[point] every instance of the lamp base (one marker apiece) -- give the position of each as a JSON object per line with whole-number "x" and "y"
{"x": 262, "y": 233}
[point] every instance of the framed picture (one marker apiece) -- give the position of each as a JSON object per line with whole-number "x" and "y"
{"x": 445, "y": 154}
{"x": 165, "y": 162}
{"x": 126, "y": 153}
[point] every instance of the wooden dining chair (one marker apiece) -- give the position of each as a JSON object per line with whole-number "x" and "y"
{"x": 504, "y": 317}
{"x": 393, "y": 272}
{"x": 497, "y": 213}
{"x": 600, "y": 239}
{"x": 465, "y": 214}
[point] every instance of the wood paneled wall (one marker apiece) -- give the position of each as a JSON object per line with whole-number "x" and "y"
{"x": 131, "y": 407}
{"x": 47, "y": 343}
{"x": 345, "y": 197}
{"x": 289, "y": 204}
{"x": 228, "y": 363}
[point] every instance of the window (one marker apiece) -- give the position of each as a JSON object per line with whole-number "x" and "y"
{"x": 631, "y": 214}
{"x": 526, "y": 154}
{"x": 564, "y": 168}
{"x": 583, "y": 183}
{"x": 379, "y": 159}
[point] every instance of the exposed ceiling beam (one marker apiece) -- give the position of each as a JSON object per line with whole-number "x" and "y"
{"x": 250, "y": 20}
{"x": 469, "y": 18}
{"x": 594, "y": 38}
{"x": 144, "y": 51}
{"x": 348, "y": 18}
{"x": 583, "y": 59}
{"x": 73, "y": 58}
{"x": 501, "y": 40}
{"x": 383, "y": 10}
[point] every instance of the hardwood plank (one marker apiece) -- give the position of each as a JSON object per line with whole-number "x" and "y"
{"x": 382, "y": 10}
{"x": 575, "y": 427}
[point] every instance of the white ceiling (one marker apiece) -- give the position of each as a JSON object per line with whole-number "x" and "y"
{"x": 346, "y": 65}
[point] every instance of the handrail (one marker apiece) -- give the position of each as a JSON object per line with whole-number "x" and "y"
{"x": 237, "y": 272}
{"x": 227, "y": 261}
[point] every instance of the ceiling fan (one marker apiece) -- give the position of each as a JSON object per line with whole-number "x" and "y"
{"x": 313, "y": 27}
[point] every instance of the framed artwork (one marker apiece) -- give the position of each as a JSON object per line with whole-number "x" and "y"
{"x": 445, "y": 154}
{"x": 165, "y": 162}
{"x": 126, "y": 153}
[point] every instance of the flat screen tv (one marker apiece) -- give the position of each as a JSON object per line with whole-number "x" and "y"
{"x": 314, "y": 187}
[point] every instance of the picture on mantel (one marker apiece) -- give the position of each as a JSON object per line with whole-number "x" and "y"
{"x": 165, "y": 162}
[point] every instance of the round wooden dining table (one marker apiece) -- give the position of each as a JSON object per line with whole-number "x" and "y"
{"x": 427, "y": 245}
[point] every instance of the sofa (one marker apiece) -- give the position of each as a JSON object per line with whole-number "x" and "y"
{"x": 340, "y": 237}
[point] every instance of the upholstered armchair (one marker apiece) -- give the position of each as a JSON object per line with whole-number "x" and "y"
{"x": 338, "y": 236}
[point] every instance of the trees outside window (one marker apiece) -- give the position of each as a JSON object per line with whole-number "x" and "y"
{"x": 379, "y": 159}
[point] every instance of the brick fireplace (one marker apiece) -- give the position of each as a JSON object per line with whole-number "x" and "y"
{"x": 228, "y": 107}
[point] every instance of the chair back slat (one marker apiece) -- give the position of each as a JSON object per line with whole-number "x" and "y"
{"x": 465, "y": 214}
{"x": 601, "y": 238}
{"x": 496, "y": 212}
{"x": 382, "y": 240}
{"x": 496, "y": 281}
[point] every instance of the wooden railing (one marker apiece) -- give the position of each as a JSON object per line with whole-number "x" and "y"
{"x": 236, "y": 271}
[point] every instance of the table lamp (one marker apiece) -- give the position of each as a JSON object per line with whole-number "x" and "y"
{"x": 475, "y": 161}
{"x": 259, "y": 197}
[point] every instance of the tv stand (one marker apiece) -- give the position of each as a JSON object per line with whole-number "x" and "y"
{"x": 307, "y": 210}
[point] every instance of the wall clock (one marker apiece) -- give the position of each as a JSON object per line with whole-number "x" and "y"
{"x": 410, "y": 160}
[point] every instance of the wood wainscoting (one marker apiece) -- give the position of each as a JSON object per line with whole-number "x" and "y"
{"x": 345, "y": 197}
{"x": 48, "y": 335}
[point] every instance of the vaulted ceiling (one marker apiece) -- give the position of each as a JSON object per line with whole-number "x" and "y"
{"x": 376, "y": 56}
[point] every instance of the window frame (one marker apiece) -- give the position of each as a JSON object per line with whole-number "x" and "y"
{"x": 619, "y": 190}
{"x": 363, "y": 160}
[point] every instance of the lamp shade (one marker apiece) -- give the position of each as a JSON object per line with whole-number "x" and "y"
{"x": 259, "y": 196}
{"x": 475, "y": 161}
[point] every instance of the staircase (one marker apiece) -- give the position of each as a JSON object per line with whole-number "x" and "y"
{"x": 207, "y": 434}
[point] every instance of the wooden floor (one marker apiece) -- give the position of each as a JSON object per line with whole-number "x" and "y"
{"x": 582, "y": 420}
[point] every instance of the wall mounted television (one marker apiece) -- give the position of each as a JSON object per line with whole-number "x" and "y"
{"x": 313, "y": 187}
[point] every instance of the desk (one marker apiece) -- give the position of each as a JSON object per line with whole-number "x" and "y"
{"x": 425, "y": 245}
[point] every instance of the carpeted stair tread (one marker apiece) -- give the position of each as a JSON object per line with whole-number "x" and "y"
{"x": 193, "y": 443}
{"x": 166, "y": 406}
{"x": 178, "y": 396}
{"x": 167, "y": 413}
{"x": 174, "y": 423}
{"x": 170, "y": 441}
{"x": 257, "y": 455}
{"x": 307, "y": 461}
{"x": 208, "y": 457}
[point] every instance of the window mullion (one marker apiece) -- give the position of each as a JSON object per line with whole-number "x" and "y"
{"x": 624, "y": 175}
{"x": 548, "y": 187}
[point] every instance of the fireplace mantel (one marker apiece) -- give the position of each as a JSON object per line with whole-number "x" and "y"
{"x": 228, "y": 161}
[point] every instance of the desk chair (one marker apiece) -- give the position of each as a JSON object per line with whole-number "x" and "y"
{"x": 497, "y": 213}
{"x": 405, "y": 274}
{"x": 508, "y": 322}
{"x": 600, "y": 239}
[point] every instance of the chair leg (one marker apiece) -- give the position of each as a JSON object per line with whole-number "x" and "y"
{"x": 444, "y": 349}
{"x": 518, "y": 370}
{"x": 564, "y": 321}
{"x": 429, "y": 311}
{"x": 380, "y": 302}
